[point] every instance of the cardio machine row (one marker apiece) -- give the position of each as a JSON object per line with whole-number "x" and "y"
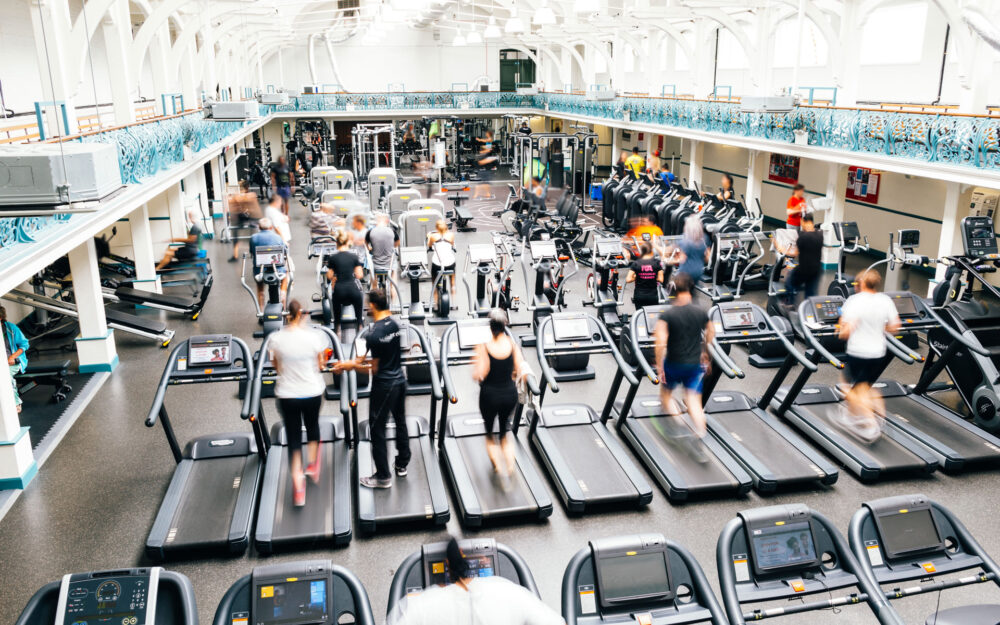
{"x": 771, "y": 562}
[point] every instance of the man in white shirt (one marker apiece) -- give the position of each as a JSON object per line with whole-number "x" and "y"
{"x": 864, "y": 320}
{"x": 474, "y": 601}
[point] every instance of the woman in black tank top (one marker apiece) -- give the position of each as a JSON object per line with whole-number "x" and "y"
{"x": 497, "y": 365}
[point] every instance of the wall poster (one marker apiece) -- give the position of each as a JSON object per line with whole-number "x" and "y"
{"x": 783, "y": 169}
{"x": 862, "y": 184}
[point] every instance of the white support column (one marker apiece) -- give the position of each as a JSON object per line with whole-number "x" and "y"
{"x": 951, "y": 235}
{"x": 850, "y": 51}
{"x": 95, "y": 346}
{"x": 697, "y": 157}
{"x": 836, "y": 191}
{"x": 142, "y": 249}
{"x": 615, "y": 146}
{"x": 51, "y": 25}
{"x": 175, "y": 209}
{"x": 217, "y": 202}
{"x": 756, "y": 170}
{"x": 975, "y": 95}
{"x": 17, "y": 464}
{"x": 116, "y": 29}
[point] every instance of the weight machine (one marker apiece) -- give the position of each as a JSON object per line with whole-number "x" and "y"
{"x": 550, "y": 150}
{"x": 367, "y": 148}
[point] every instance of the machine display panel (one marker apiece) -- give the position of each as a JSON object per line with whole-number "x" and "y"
{"x": 979, "y": 236}
{"x": 478, "y": 566}
{"x": 608, "y": 247}
{"x": 909, "y": 238}
{"x": 210, "y": 350}
{"x": 828, "y": 311}
{"x": 472, "y": 333}
{"x": 543, "y": 249}
{"x": 737, "y": 317}
{"x": 293, "y": 601}
{"x": 632, "y": 579}
{"x": 905, "y": 306}
{"x": 908, "y": 532}
{"x": 118, "y": 599}
{"x": 412, "y": 256}
{"x": 269, "y": 255}
{"x": 482, "y": 253}
{"x": 571, "y": 328}
{"x": 849, "y": 231}
{"x": 783, "y": 546}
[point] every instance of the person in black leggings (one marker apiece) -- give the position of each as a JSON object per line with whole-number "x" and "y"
{"x": 647, "y": 273}
{"x": 299, "y": 355}
{"x": 344, "y": 272}
{"x": 497, "y": 364}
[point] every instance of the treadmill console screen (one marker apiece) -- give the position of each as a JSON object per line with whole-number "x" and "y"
{"x": 482, "y": 253}
{"x": 324, "y": 249}
{"x": 905, "y": 532}
{"x": 624, "y": 578}
{"x": 737, "y": 317}
{"x": 608, "y": 247}
{"x": 473, "y": 332}
{"x": 543, "y": 249}
{"x": 978, "y": 236}
{"x": 267, "y": 255}
{"x": 909, "y": 238}
{"x": 409, "y": 256}
{"x": 480, "y": 558}
{"x": 778, "y": 547}
{"x": 848, "y": 231}
{"x": 117, "y": 597}
{"x": 828, "y": 310}
{"x": 905, "y": 306}
{"x": 570, "y": 328}
{"x": 213, "y": 350}
{"x": 292, "y": 600}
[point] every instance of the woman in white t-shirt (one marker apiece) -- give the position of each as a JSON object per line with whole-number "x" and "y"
{"x": 864, "y": 320}
{"x": 473, "y": 601}
{"x": 299, "y": 355}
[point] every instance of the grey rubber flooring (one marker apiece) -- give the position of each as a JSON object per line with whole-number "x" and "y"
{"x": 94, "y": 501}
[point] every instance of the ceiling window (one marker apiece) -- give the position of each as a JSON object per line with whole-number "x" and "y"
{"x": 894, "y": 34}
{"x": 814, "y": 47}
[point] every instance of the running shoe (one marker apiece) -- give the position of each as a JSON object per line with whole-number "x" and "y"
{"x": 374, "y": 482}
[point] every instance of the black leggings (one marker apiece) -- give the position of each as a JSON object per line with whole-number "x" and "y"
{"x": 388, "y": 398}
{"x": 295, "y": 411}
{"x": 497, "y": 402}
{"x": 350, "y": 296}
{"x": 645, "y": 299}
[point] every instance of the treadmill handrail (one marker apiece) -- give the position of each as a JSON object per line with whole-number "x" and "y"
{"x": 637, "y": 351}
{"x": 161, "y": 389}
{"x": 973, "y": 346}
{"x": 807, "y": 332}
{"x": 449, "y": 385}
{"x": 901, "y": 351}
{"x": 729, "y": 368}
{"x": 250, "y": 408}
{"x": 788, "y": 345}
{"x": 549, "y": 375}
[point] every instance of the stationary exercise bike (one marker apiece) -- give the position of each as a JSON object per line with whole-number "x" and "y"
{"x": 322, "y": 248}
{"x": 442, "y": 306}
{"x": 270, "y": 269}
{"x": 604, "y": 285}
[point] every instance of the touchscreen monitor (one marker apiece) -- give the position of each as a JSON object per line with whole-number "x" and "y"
{"x": 292, "y": 601}
{"x": 632, "y": 579}
{"x": 482, "y": 253}
{"x": 609, "y": 247}
{"x": 908, "y": 532}
{"x": 412, "y": 256}
{"x": 905, "y": 307}
{"x": 783, "y": 546}
{"x": 209, "y": 350}
{"x": 543, "y": 249}
{"x": 472, "y": 333}
{"x": 269, "y": 255}
{"x": 737, "y": 317}
{"x": 566, "y": 329}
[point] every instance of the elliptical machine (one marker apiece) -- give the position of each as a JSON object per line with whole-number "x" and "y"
{"x": 849, "y": 237}
{"x": 604, "y": 285}
{"x": 413, "y": 265}
{"x": 270, "y": 268}
{"x": 545, "y": 259}
{"x": 493, "y": 280}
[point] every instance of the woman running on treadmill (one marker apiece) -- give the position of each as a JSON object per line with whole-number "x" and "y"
{"x": 492, "y": 600}
{"x": 441, "y": 243}
{"x": 864, "y": 320}
{"x": 647, "y": 273}
{"x": 692, "y": 252}
{"x": 497, "y": 364}
{"x": 345, "y": 273}
{"x": 299, "y": 356}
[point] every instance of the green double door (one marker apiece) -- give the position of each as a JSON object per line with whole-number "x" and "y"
{"x": 515, "y": 70}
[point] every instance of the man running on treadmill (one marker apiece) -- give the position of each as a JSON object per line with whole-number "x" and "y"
{"x": 682, "y": 358}
{"x": 388, "y": 392}
{"x": 864, "y": 320}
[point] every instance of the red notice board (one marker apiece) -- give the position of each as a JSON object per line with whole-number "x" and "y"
{"x": 783, "y": 169}
{"x": 863, "y": 184}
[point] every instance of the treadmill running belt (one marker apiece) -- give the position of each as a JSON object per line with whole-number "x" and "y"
{"x": 784, "y": 460}
{"x": 206, "y": 511}
{"x": 886, "y": 451}
{"x": 409, "y": 496}
{"x": 497, "y": 496}
{"x": 591, "y": 464}
{"x": 966, "y": 443}
{"x": 315, "y": 519}
{"x": 707, "y": 475}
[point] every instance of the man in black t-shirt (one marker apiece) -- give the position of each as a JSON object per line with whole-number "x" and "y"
{"x": 682, "y": 355}
{"x": 282, "y": 179}
{"x": 809, "y": 251}
{"x": 388, "y": 391}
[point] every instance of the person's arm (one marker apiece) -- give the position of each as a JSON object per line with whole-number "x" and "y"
{"x": 518, "y": 360}
{"x": 846, "y": 322}
{"x": 894, "y": 323}
{"x": 709, "y": 337}
{"x": 480, "y": 363}
{"x": 659, "y": 276}
{"x": 291, "y": 177}
{"x": 321, "y": 360}
{"x": 660, "y": 335}
{"x": 359, "y": 273}
{"x": 630, "y": 276}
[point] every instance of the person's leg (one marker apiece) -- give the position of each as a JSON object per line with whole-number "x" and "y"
{"x": 693, "y": 388}
{"x": 284, "y": 290}
{"x": 358, "y": 301}
{"x": 310, "y": 415}
{"x": 168, "y": 256}
{"x": 260, "y": 295}
{"x": 506, "y": 442}
{"x": 378, "y": 415}
{"x": 402, "y": 433}
{"x": 291, "y": 414}
{"x": 791, "y": 286}
{"x": 489, "y": 414}
{"x": 811, "y": 287}
{"x": 338, "y": 309}
{"x": 14, "y": 370}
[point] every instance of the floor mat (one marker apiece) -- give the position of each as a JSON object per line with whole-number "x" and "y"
{"x": 40, "y": 413}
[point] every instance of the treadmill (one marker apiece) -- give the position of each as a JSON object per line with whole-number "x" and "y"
{"x": 957, "y": 443}
{"x": 770, "y": 451}
{"x": 643, "y": 578}
{"x": 811, "y": 408}
{"x": 421, "y": 497}
{"x": 326, "y": 517}
{"x": 209, "y": 504}
{"x": 587, "y": 465}
{"x": 428, "y": 568}
{"x": 183, "y": 304}
{"x": 481, "y": 494}
{"x": 653, "y": 435}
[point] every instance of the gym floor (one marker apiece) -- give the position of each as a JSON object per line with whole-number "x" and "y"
{"x": 93, "y": 503}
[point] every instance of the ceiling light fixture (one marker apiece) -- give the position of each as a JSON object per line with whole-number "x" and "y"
{"x": 544, "y": 16}
{"x": 515, "y": 25}
{"x": 492, "y": 30}
{"x": 474, "y": 38}
{"x": 458, "y": 41}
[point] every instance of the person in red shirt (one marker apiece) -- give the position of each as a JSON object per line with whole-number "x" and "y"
{"x": 796, "y": 207}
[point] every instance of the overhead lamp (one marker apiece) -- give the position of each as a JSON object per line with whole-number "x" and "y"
{"x": 587, "y": 6}
{"x": 474, "y": 38}
{"x": 492, "y": 31}
{"x": 544, "y": 16}
{"x": 515, "y": 25}
{"x": 458, "y": 41}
